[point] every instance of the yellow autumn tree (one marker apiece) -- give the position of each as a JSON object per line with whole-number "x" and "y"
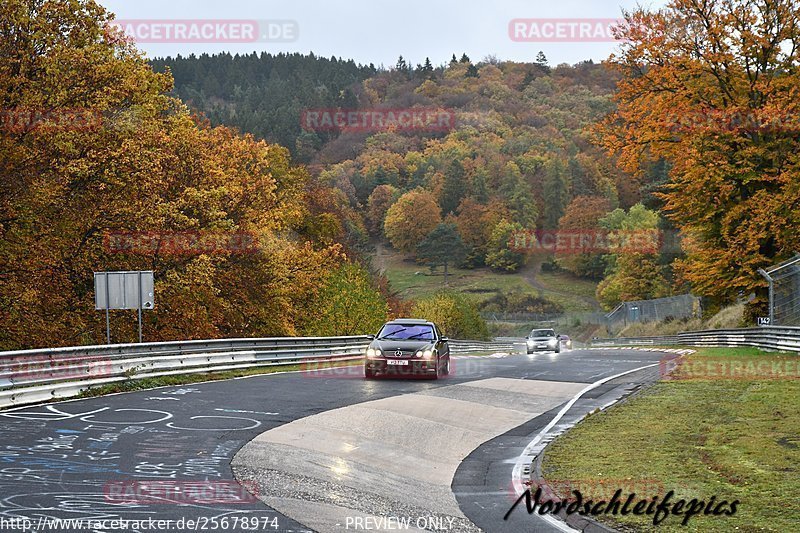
{"x": 411, "y": 218}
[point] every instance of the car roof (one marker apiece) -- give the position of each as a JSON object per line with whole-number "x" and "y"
{"x": 411, "y": 322}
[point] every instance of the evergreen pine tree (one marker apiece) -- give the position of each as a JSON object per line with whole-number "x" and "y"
{"x": 479, "y": 188}
{"x": 541, "y": 62}
{"x": 427, "y": 68}
{"x": 555, "y": 192}
{"x": 453, "y": 189}
{"x": 442, "y": 247}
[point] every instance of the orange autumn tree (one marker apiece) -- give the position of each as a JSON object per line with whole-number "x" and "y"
{"x": 713, "y": 88}
{"x": 581, "y": 220}
{"x": 379, "y": 202}
{"x": 136, "y": 162}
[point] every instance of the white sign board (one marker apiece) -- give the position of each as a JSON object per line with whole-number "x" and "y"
{"x": 124, "y": 290}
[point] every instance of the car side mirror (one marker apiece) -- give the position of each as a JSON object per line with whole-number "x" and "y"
{"x": 371, "y": 337}
{"x": 558, "y": 336}
{"x": 444, "y": 339}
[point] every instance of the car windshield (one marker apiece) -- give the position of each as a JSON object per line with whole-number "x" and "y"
{"x": 406, "y": 332}
{"x": 543, "y": 333}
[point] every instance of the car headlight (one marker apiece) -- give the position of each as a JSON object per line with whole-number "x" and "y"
{"x": 373, "y": 352}
{"x": 530, "y": 341}
{"x": 427, "y": 354}
{"x": 553, "y": 342}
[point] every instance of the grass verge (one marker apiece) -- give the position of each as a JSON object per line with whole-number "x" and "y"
{"x": 736, "y": 439}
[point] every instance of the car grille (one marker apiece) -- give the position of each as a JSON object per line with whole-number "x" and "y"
{"x": 402, "y": 353}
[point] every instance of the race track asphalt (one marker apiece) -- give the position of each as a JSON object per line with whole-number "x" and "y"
{"x": 166, "y": 454}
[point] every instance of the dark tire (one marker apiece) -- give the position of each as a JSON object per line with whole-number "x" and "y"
{"x": 446, "y": 370}
{"x": 558, "y": 350}
{"x": 369, "y": 374}
{"x": 437, "y": 374}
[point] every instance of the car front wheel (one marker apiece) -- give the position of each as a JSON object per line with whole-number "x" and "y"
{"x": 437, "y": 374}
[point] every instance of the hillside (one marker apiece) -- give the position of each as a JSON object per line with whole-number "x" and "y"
{"x": 514, "y": 155}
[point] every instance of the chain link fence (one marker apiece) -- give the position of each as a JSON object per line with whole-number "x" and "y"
{"x": 670, "y": 308}
{"x": 549, "y": 319}
{"x": 659, "y": 309}
{"x": 784, "y": 292}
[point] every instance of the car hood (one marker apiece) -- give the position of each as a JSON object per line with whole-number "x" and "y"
{"x": 391, "y": 345}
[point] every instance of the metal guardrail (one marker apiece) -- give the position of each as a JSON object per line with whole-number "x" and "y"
{"x": 767, "y": 338}
{"x": 504, "y": 344}
{"x": 33, "y": 376}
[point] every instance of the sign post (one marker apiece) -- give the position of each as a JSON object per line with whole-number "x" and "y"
{"x": 108, "y": 319}
{"x": 123, "y": 290}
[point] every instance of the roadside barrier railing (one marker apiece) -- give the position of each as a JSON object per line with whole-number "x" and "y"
{"x": 34, "y": 376}
{"x": 767, "y": 338}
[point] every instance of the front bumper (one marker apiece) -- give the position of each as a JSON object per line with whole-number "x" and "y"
{"x": 541, "y": 347}
{"x": 416, "y": 366}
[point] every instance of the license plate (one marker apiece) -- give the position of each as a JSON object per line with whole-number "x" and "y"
{"x": 542, "y": 346}
{"x": 397, "y": 362}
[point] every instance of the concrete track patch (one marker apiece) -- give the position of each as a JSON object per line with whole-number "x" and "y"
{"x": 390, "y": 457}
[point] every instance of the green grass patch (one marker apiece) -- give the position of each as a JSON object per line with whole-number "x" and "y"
{"x": 414, "y": 281}
{"x": 566, "y": 282}
{"x": 736, "y": 439}
{"x": 508, "y": 329}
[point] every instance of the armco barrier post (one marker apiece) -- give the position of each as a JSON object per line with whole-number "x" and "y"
{"x": 771, "y": 295}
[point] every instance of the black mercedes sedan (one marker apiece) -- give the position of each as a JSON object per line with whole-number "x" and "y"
{"x": 408, "y": 346}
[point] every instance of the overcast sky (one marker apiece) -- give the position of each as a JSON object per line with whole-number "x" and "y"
{"x": 378, "y": 31}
